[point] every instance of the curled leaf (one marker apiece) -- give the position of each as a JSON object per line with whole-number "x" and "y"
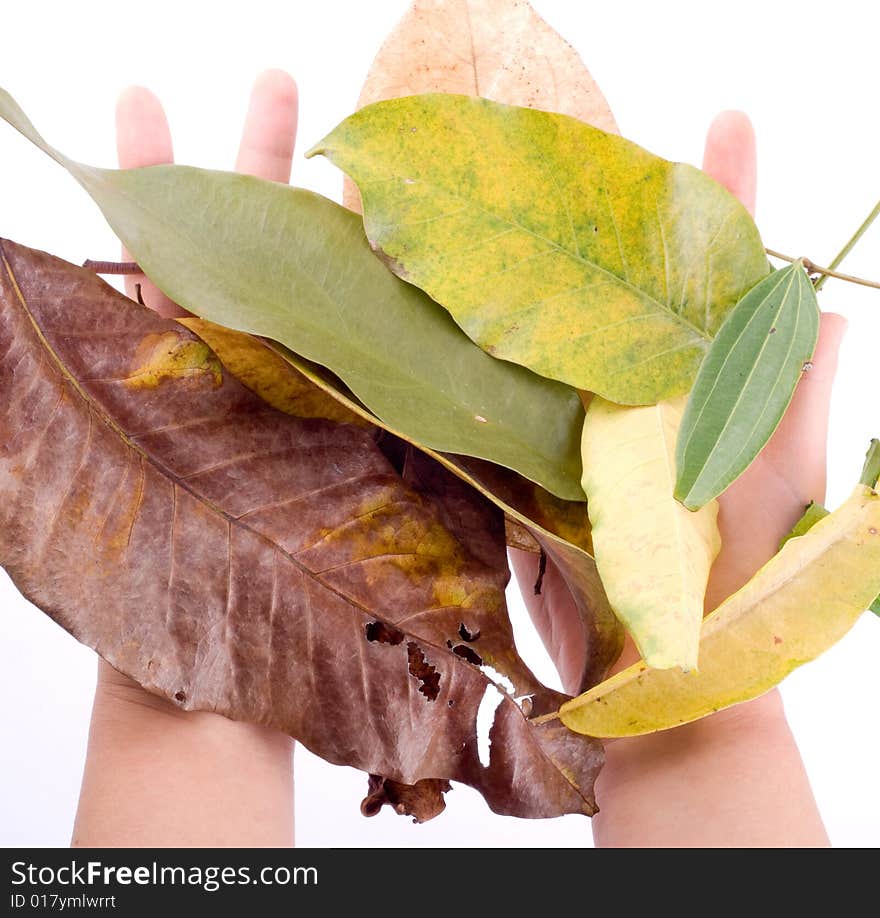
{"x": 273, "y": 568}
{"x": 797, "y": 606}
{"x": 554, "y": 245}
{"x": 652, "y": 554}
{"x": 745, "y": 384}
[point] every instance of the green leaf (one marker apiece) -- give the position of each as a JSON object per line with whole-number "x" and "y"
{"x": 288, "y": 264}
{"x": 745, "y": 384}
{"x": 812, "y": 515}
{"x": 797, "y": 606}
{"x": 652, "y": 554}
{"x": 554, "y": 245}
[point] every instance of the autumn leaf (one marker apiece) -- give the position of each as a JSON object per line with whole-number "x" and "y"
{"x": 553, "y": 244}
{"x": 287, "y": 264}
{"x": 653, "y": 555}
{"x": 745, "y": 384}
{"x": 797, "y": 606}
{"x": 273, "y": 568}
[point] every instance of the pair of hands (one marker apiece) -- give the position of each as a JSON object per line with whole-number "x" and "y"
{"x": 756, "y": 512}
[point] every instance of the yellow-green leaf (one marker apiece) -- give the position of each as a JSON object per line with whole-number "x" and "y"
{"x": 653, "y": 555}
{"x": 555, "y": 245}
{"x": 799, "y": 604}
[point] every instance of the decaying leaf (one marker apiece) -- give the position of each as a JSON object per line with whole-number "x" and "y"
{"x": 799, "y": 604}
{"x": 272, "y": 568}
{"x": 423, "y": 800}
{"x": 554, "y": 245}
{"x": 745, "y": 384}
{"x": 292, "y": 266}
{"x": 498, "y": 49}
{"x": 653, "y": 555}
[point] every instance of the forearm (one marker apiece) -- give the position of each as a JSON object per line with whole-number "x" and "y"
{"x": 735, "y": 779}
{"x": 156, "y": 776}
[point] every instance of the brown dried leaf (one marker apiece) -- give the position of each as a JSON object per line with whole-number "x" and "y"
{"x": 423, "y": 800}
{"x": 269, "y": 567}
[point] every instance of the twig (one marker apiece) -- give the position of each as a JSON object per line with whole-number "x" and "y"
{"x": 112, "y": 267}
{"x": 813, "y": 268}
{"x": 848, "y": 247}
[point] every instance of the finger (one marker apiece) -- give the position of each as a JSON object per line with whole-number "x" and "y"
{"x": 270, "y": 128}
{"x": 804, "y": 426}
{"x": 143, "y": 139}
{"x": 730, "y": 158}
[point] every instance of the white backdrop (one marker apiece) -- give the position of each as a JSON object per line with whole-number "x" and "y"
{"x": 808, "y": 73}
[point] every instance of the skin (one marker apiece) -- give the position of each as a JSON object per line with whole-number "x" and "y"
{"x": 156, "y": 776}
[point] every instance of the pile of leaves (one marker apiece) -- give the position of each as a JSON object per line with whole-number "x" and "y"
{"x": 294, "y": 507}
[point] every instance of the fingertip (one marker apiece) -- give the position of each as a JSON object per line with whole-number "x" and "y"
{"x": 279, "y": 83}
{"x": 269, "y": 135}
{"x": 730, "y": 155}
{"x": 142, "y": 134}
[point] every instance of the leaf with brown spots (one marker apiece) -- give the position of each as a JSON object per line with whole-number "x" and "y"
{"x": 273, "y": 568}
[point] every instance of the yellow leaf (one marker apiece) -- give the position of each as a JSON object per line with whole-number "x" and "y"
{"x": 796, "y": 607}
{"x": 653, "y": 555}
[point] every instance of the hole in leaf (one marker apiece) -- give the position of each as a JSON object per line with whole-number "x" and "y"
{"x": 468, "y": 653}
{"x": 465, "y": 635}
{"x": 489, "y": 704}
{"x": 180, "y": 696}
{"x": 423, "y": 671}
{"x": 384, "y": 634}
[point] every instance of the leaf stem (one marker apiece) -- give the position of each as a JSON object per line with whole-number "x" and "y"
{"x": 848, "y": 247}
{"x": 813, "y": 268}
{"x": 871, "y": 471}
{"x": 112, "y": 267}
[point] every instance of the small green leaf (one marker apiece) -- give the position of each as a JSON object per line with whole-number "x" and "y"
{"x": 290, "y": 265}
{"x": 812, "y": 515}
{"x": 554, "y": 245}
{"x": 745, "y": 384}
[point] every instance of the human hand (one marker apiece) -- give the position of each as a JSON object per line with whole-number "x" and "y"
{"x": 156, "y": 775}
{"x": 741, "y": 764}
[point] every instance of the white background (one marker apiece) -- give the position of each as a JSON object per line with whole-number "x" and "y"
{"x": 808, "y": 73}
